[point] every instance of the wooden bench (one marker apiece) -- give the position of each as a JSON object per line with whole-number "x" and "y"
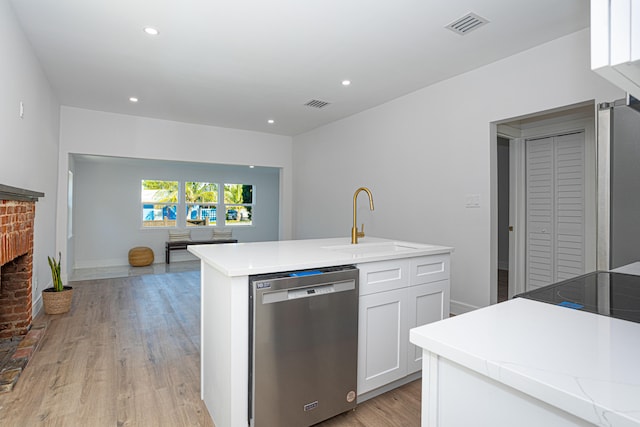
{"x": 172, "y": 246}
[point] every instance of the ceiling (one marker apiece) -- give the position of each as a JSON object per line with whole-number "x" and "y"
{"x": 238, "y": 63}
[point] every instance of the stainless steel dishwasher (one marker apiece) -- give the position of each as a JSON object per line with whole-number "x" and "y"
{"x": 303, "y": 346}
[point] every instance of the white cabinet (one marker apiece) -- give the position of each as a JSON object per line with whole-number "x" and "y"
{"x": 382, "y": 346}
{"x": 427, "y": 303}
{"x": 384, "y": 276}
{"x": 396, "y": 296}
{"x": 615, "y": 42}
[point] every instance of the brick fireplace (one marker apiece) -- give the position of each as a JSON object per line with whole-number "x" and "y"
{"x": 17, "y": 213}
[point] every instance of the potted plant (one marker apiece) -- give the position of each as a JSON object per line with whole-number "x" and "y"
{"x": 57, "y": 299}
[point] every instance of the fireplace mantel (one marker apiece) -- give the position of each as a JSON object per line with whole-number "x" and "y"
{"x": 19, "y": 194}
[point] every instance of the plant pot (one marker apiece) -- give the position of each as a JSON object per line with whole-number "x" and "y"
{"x": 57, "y": 302}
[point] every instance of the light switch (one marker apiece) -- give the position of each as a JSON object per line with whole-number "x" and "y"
{"x": 472, "y": 201}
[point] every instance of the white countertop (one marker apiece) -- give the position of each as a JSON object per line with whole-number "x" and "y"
{"x": 585, "y": 364}
{"x": 243, "y": 259}
{"x": 629, "y": 269}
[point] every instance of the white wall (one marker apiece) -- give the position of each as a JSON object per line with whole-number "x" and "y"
{"x": 422, "y": 154}
{"x": 107, "y": 213}
{"x": 107, "y": 134}
{"x": 28, "y": 146}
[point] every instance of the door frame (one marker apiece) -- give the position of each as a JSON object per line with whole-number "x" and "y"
{"x": 517, "y": 194}
{"x": 604, "y": 183}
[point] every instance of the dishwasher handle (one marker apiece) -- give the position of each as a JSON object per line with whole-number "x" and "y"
{"x": 270, "y": 297}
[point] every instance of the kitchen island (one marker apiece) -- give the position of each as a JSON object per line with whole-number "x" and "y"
{"x": 529, "y": 363}
{"x": 225, "y": 271}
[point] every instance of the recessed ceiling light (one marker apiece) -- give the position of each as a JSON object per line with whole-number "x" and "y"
{"x": 271, "y": 121}
{"x": 133, "y": 99}
{"x": 151, "y": 31}
{"x": 346, "y": 82}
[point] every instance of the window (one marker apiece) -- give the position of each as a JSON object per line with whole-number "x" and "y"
{"x": 159, "y": 203}
{"x": 238, "y": 201}
{"x": 201, "y": 203}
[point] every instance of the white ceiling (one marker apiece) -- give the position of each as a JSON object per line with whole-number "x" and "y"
{"x": 237, "y": 63}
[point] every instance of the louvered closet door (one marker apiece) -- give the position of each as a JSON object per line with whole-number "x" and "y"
{"x": 555, "y": 209}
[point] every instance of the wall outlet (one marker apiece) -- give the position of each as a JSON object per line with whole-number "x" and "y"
{"x": 21, "y": 110}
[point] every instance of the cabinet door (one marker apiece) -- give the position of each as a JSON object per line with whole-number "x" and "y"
{"x": 382, "y": 339}
{"x": 555, "y": 209}
{"x": 427, "y": 303}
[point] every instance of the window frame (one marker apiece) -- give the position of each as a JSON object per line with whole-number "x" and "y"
{"x": 202, "y": 205}
{"x": 181, "y": 220}
{"x": 251, "y": 205}
{"x": 166, "y": 224}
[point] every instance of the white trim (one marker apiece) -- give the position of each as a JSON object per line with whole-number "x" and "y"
{"x": 517, "y": 210}
{"x": 558, "y": 128}
{"x": 604, "y": 188}
{"x": 388, "y": 387}
{"x": 493, "y": 217}
{"x": 70, "y": 204}
{"x": 36, "y": 305}
{"x": 508, "y": 132}
{"x": 457, "y": 307}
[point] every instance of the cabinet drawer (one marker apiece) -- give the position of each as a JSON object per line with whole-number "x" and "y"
{"x": 383, "y": 276}
{"x": 429, "y": 269}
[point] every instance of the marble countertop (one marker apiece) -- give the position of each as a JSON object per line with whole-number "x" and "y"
{"x": 583, "y": 363}
{"x": 243, "y": 259}
{"x": 629, "y": 269}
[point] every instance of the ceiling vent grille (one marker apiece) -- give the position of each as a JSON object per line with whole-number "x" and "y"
{"x": 316, "y": 103}
{"x": 467, "y": 23}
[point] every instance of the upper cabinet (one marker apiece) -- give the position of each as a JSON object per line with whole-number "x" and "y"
{"x": 615, "y": 42}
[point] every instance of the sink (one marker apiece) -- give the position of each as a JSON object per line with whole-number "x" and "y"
{"x": 376, "y": 248}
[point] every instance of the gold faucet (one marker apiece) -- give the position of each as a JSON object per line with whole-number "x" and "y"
{"x": 354, "y": 230}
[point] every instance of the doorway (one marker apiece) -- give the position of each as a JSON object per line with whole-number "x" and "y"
{"x": 509, "y": 213}
{"x": 503, "y": 218}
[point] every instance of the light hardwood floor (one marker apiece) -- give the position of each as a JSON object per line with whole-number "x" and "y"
{"x": 127, "y": 354}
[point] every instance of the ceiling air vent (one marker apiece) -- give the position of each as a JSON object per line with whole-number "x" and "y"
{"x": 467, "y": 23}
{"x": 316, "y": 103}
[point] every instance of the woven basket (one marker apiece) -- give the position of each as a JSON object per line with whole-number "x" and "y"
{"x": 57, "y": 302}
{"x": 140, "y": 256}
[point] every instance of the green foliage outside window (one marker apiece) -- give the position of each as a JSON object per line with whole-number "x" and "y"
{"x": 240, "y": 195}
{"x": 159, "y": 191}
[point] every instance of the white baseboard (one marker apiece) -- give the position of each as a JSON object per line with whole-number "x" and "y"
{"x": 456, "y": 307}
{"x": 36, "y": 305}
{"x": 96, "y": 263}
{"x": 385, "y": 388}
{"x": 118, "y": 262}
